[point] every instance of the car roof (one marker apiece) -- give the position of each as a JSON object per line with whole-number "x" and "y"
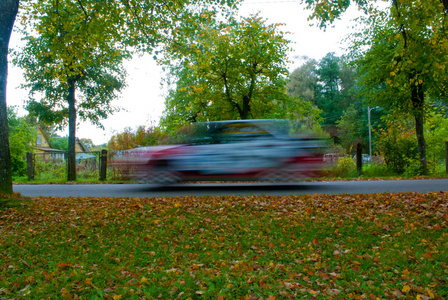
{"x": 274, "y": 126}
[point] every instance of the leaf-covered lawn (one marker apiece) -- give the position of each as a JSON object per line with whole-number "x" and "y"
{"x": 289, "y": 247}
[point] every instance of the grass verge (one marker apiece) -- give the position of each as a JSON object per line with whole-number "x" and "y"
{"x": 314, "y": 247}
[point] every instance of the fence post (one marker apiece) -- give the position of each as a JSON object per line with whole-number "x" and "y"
{"x": 446, "y": 157}
{"x": 359, "y": 158}
{"x": 103, "y": 165}
{"x": 30, "y": 165}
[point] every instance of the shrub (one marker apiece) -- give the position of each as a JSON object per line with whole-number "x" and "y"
{"x": 49, "y": 170}
{"x": 377, "y": 170}
{"x": 345, "y": 167}
{"x": 398, "y": 145}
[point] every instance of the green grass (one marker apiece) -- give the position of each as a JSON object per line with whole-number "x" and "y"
{"x": 379, "y": 246}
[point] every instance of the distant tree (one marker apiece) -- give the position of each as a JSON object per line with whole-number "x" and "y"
{"x": 328, "y": 83}
{"x": 349, "y": 129}
{"x": 302, "y": 81}
{"x": 328, "y": 96}
{"x": 143, "y": 136}
{"x": 226, "y": 71}
{"x": 122, "y": 141}
{"x": 58, "y": 142}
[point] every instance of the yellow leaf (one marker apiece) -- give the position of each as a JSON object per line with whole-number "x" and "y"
{"x": 406, "y": 289}
{"x": 144, "y": 280}
{"x": 116, "y": 297}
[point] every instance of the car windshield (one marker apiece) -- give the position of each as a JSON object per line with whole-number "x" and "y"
{"x": 235, "y": 131}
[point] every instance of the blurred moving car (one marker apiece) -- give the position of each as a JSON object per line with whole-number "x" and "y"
{"x": 242, "y": 150}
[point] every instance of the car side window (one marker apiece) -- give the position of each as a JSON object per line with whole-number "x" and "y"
{"x": 240, "y": 132}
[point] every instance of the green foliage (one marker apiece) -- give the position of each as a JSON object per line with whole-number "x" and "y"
{"x": 54, "y": 170}
{"x": 326, "y": 12}
{"x": 226, "y": 71}
{"x": 329, "y": 84}
{"x": 302, "y": 82}
{"x": 68, "y": 44}
{"x": 436, "y": 128}
{"x": 397, "y": 143}
{"x": 334, "y": 92}
{"x": 402, "y": 57}
{"x": 349, "y": 129}
{"x": 345, "y": 167}
{"x": 60, "y": 143}
{"x": 49, "y": 171}
{"x": 373, "y": 170}
{"x": 22, "y": 137}
{"x": 143, "y": 136}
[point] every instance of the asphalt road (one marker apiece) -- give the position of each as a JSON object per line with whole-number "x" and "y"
{"x": 242, "y": 189}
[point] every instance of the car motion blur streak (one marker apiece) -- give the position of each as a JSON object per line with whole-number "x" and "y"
{"x": 242, "y": 150}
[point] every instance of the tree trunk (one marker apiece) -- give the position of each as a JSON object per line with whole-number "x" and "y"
{"x": 8, "y": 13}
{"x": 418, "y": 98}
{"x": 71, "y": 155}
{"x": 244, "y": 114}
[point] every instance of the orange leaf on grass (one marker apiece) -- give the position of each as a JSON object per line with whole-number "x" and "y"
{"x": 64, "y": 266}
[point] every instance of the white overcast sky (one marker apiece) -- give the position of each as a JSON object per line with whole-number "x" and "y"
{"x": 143, "y": 99}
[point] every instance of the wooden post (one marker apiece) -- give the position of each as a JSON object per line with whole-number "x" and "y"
{"x": 103, "y": 165}
{"x": 359, "y": 157}
{"x": 30, "y": 165}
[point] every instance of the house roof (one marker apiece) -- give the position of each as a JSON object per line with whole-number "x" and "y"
{"x": 46, "y": 149}
{"x": 50, "y": 149}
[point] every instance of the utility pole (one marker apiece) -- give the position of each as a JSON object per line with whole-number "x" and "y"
{"x": 370, "y": 130}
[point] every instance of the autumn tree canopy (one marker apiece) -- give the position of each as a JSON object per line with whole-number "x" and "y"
{"x": 78, "y": 47}
{"x": 232, "y": 70}
{"x": 401, "y": 54}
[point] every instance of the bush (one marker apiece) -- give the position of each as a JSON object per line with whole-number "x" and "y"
{"x": 398, "y": 145}
{"x": 377, "y": 170}
{"x": 345, "y": 167}
{"x": 48, "y": 171}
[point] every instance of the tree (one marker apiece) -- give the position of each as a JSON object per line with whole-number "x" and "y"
{"x": 142, "y": 22}
{"x": 122, "y": 141}
{"x": 8, "y": 12}
{"x": 74, "y": 50}
{"x": 58, "y": 142}
{"x": 328, "y": 83}
{"x": 303, "y": 81}
{"x": 401, "y": 55}
{"x": 349, "y": 129}
{"x": 226, "y": 71}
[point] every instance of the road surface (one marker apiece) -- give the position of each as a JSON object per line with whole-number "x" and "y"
{"x": 241, "y": 189}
